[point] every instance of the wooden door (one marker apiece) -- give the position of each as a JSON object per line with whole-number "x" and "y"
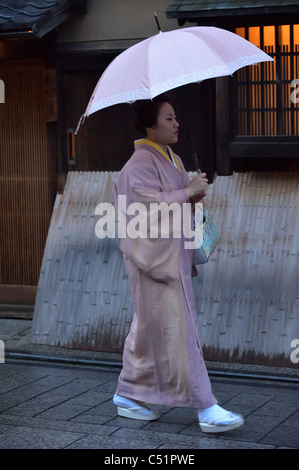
{"x": 25, "y": 179}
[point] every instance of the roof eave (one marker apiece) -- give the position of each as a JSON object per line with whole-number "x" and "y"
{"x": 174, "y": 12}
{"x": 56, "y": 18}
{"x": 42, "y": 27}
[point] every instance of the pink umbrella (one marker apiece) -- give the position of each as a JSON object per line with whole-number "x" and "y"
{"x": 169, "y": 60}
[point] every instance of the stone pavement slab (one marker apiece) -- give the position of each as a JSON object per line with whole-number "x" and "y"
{"x": 46, "y": 406}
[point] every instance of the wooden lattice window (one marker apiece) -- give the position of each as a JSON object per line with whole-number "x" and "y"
{"x": 266, "y": 102}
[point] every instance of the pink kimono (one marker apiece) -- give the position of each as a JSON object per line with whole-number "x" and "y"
{"x": 162, "y": 359}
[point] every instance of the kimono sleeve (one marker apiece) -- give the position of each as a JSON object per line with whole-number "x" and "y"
{"x": 157, "y": 256}
{"x": 147, "y": 188}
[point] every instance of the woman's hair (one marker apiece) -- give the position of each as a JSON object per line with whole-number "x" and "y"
{"x": 146, "y": 112}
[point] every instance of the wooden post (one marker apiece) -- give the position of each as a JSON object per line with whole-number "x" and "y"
{"x": 222, "y": 126}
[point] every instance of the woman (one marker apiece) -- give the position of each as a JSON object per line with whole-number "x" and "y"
{"x": 162, "y": 359}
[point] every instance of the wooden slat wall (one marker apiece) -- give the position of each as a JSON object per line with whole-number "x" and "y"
{"x": 247, "y": 296}
{"x": 26, "y": 204}
{"x": 82, "y": 299}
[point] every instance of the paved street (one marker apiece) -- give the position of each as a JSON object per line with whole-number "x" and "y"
{"x": 57, "y": 398}
{"x": 67, "y": 407}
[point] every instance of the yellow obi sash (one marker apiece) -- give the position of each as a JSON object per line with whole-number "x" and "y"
{"x": 174, "y": 160}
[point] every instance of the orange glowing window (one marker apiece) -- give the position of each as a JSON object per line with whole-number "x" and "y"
{"x": 254, "y": 36}
{"x": 263, "y": 98}
{"x": 284, "y": 35}
{"x": 269, "y": 36}
{"x": 240, "y": 32}
{"x": 71, "y": 147}
{"x": 296, "y": 34}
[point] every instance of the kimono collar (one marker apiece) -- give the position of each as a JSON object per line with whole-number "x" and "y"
{"x": 157, "y": 147}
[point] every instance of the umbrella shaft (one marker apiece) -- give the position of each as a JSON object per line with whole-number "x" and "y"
{"x": 157, "y": 21}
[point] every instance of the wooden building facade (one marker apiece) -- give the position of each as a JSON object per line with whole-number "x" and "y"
{"x": 258, "y": 106}
{"x": 29, "y": 148}
{"x": 245, "y": 122}
{"x": 52, "y": 53}
{"x": 50, "y": 67}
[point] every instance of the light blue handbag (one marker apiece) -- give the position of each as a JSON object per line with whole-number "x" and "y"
{"x": 206, "y": 237}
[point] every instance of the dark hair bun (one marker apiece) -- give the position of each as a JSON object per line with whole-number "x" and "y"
{"x": 146, "y": 112}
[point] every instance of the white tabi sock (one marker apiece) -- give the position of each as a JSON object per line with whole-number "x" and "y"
{"x": 215, "y": 413}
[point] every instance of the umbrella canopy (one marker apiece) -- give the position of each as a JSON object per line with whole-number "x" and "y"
{"x": 169, "y": 60}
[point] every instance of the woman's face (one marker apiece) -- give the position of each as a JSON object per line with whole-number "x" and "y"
{"x": 165, "y": 131}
